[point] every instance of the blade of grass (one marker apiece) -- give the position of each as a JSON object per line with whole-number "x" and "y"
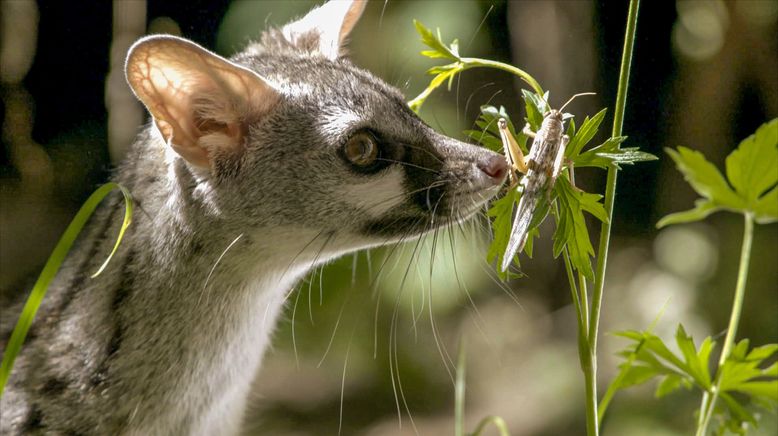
{"x": 52, "y": 266}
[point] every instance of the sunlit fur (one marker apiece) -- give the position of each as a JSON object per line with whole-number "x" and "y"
{"x": 168, "y": 339}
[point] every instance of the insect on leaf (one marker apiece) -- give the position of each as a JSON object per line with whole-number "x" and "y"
{"x": 500, "y": 212}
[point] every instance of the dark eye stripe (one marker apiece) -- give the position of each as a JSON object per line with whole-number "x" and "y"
{"x": 384, "y": 154}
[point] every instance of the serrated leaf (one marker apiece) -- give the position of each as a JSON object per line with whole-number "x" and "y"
{"x": 703, "y": 356}
{"x": 704, "y": 177}
{"x": 501, "y": 213}
{"x": 767, "y": 389}
{"x": 636, "y": 375}
{"x": 656, "y": 346}
{"x": 740, "y": 349}
{"x": 771, "y": 371}
{"x": 766, "y": 208}
{"x": 439, "y": 50}
{"x": 669, "y": 384}
{"x": 737, "y": 410}
{"x": 571, "y": 128}
{"x": 571, "y": 231}
{"x": 535, "y": 107}
{"x": 762, "y": 352}
{"x": 702, "y": 208}
{"x": 630, "y": 334}
{"x": 585, "y": 134}
{"x": 693, "y": 363}
{"x": 753, "y": 167}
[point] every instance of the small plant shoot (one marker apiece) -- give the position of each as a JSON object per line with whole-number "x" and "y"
{"x": 745, "y": 378}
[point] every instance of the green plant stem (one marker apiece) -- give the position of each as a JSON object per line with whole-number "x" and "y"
{"x": 526, "y": 77}
{"x": 498, "y": 422}
{"x": 590, "y": 369}
{"x": 709, "y": 398}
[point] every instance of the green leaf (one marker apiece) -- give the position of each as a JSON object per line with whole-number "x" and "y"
{"x": 669, "y": 384}
{"x": 762, "y": 352}
{"x": 439, "y": 50}
{"x": 585, "y": 134}
{"x": 753, "y": 167}
{"x": 610, "y": 152}
{"x": 766, "y": 208}
{"x": 704, "y": 177}
{"x": 702, "y": 208}
{"x": 571, "y": 231}
{"x": 767, "y": 389}
{"x": 501, "y": 213}
{"x": 489, "y": 135}
{"x": 737, "y": 410}
{"x": 636, "y": 375}
{"x": 55, "y": 260}
{"x": 693, "y": 363}
{"x": 535, "y": 106}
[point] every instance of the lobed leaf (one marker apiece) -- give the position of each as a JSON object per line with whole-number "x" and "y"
{"x": 753, "y": 167}
{"x": 536, "y": 106}
{"x": 585, "y": 134}
{"x": 501, "y": 213}
{"x": 704, "y": 177}
{"x": 439, "y": 50}
{"x": 571, "y": 231}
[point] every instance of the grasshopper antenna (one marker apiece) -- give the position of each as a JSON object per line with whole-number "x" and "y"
{"x": 573, "y": 98}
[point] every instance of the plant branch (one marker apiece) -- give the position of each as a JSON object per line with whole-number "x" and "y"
{"x": 709, "y": 398}
{"x": 523, "y": 75}
{"x": 610, "y": 188}
{"x": 590, "y": 367}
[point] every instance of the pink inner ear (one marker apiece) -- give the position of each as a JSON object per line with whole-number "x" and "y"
{"x": 200, "y": 101}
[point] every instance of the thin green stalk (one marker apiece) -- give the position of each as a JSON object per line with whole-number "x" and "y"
{"x": 610, "y": 187}
{"x": 709, "y": 398}
{"x": 584, "y": 301}
{"x": 478, "y": 62}
{"x": 590, "y": 369}
{"x": 499, "y": 423}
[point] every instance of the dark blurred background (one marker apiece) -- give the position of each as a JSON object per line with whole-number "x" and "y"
{"x": 360, "y": 331}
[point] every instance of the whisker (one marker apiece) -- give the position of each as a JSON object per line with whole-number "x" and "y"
{"x": 409, "y": 165}
{"x": 334, "y": 331}
{"x": 294, "y": 340}
{"x": 213, "y": 268}
{"x": 477, "y": 29}
{"x": 472, "y": 94}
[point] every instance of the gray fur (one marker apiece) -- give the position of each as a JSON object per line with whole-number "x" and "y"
{"x": 147, "y": 347}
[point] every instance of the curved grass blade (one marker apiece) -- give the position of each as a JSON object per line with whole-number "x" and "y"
{"x": 52, "y": 266}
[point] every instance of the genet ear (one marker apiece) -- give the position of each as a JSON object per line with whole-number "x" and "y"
{"x": 201, "y": 103}
{"x": 326, "y": 28}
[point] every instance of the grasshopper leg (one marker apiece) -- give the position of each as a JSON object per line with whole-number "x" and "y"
{"x": 513, "y": 152}
{"x": 528, "y": 131}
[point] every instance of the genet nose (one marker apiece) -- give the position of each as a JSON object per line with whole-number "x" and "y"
{"x": 495, "y": 167}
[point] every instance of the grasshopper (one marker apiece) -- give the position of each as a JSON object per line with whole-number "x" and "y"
{"x": 541, "y": 169}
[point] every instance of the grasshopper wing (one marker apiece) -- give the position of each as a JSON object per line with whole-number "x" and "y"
{"x": 520, "y": 228}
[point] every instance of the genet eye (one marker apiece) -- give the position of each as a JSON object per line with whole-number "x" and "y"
{"x": 361, "y": 149}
